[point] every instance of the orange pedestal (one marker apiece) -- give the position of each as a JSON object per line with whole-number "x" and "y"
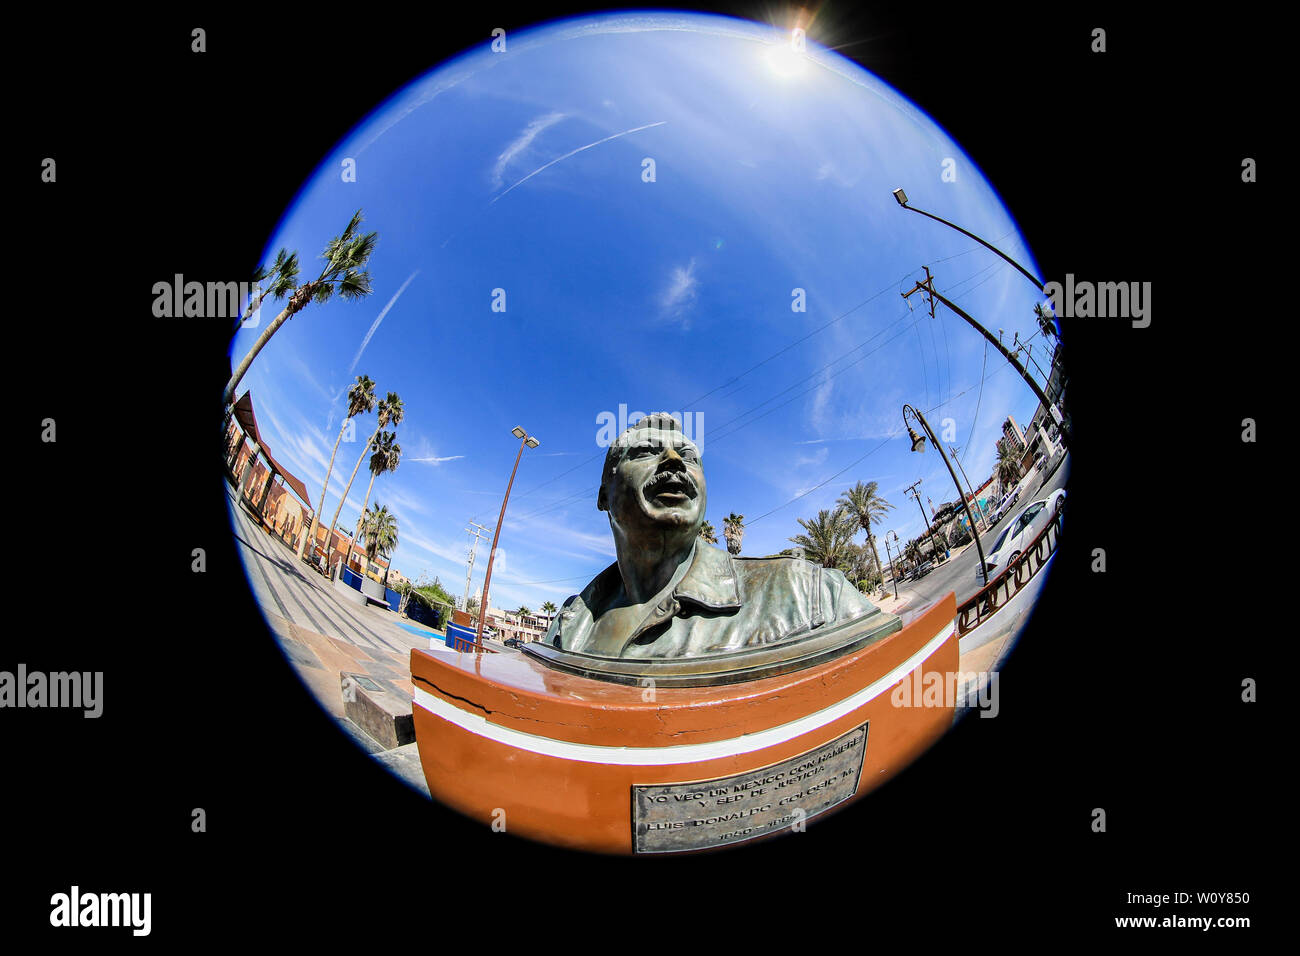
{"x": 616, "y": 768}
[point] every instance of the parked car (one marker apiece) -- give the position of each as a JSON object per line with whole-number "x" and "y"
{"x": 1004, "y": 506}
{"x": 513, "y": 642}
{"x": 1018, "y": 533}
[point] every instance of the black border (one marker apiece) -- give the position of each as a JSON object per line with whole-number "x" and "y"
{"x": 1125, "y": 693}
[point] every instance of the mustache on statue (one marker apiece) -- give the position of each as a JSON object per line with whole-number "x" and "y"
{"x": 670, "y": 481}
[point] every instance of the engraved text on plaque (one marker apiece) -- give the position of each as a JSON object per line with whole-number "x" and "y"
{"x": 694, "y": 816}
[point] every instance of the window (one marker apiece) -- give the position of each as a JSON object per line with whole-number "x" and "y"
{"x": 1001, "y": 538}
{"x": 1028, "y": 517}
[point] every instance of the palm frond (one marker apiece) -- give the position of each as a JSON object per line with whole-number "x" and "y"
{"x": 354, "y": 284}
{"x": 352, "y": 225}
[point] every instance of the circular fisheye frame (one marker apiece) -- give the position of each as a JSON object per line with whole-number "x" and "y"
{"x": 670, "y": 444}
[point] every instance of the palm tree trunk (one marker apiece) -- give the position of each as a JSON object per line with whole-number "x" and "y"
{"x": 315, "y": 518}
{"x": 301, "y": 296}
{"x": 329, "y": 539}
{"x": 228, "y": 396}
{"x": 357, "y": 537}
{"x": 252, "y": 308}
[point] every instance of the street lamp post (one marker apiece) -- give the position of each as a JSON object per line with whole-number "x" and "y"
{"x": 918, "y": 444}
{"x": 1039, "y": 285}
{"x": 978, "y": 509}
{"x": 902, "y": 201}
{"x": 531, "y": 442}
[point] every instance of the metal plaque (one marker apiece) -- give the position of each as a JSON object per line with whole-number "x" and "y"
{"x": 709, "y": 813}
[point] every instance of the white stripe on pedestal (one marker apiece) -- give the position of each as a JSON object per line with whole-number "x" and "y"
{"x": 678, "y": 753}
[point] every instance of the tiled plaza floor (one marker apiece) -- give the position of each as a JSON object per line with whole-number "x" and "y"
{"x": 321, "y": 632}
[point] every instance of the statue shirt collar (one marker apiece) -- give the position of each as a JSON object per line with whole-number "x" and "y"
{"x": 711, "y": 582}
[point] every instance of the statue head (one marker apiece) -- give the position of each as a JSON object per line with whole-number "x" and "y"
{"x": 653, "y": 481}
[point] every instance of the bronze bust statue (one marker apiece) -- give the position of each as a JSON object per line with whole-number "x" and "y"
{"x": 671, "y": 596}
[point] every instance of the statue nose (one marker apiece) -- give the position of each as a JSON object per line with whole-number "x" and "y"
{"x": 670, "y": 454}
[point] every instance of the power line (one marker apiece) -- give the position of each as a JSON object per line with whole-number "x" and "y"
{"x": 591, "y": 491}
{"x": 827, "y": 481}
{"x": 813, "y": 387}
{"x": 787, "y": 348}
{"x": 888, "y": 438}
{"x": 559, "y": 503}
{"x": 980, "y": 398}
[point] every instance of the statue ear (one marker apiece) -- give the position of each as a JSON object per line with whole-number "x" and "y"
{"x": 601, "y": 503}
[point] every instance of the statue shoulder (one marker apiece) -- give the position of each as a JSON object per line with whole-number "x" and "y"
{"x": 837, "y": 595}
{"x": 797, "y": 572}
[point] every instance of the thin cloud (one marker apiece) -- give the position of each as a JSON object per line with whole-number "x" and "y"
{"x": 375, "y": 325}
{"x": 817, "y": 458}
{"x": 521, "y": 143}
{"x": 683, "y": 286}
{"x": 575, "y": 152}
{"x": 435, "y": 460}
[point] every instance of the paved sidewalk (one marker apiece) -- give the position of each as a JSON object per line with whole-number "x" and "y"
{"x": 984, "y": 649}
{"x": 901, "y": 605}
{"x": 321, "y": 633}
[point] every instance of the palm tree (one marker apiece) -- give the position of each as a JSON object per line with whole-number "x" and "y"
{"x": 1008, "y": 466}
{"x": 865, "y": 504}
{"x": 524, "y": 611}
{"x": 380, "y": 531}
{"x": 386, "y": 457}
{"x": 279, "y": 280}
{"x": 361, "y": 400}
{"x": 829, "y": 538}
{"x": 913, "y": 552}
{"x": 1046, "y": 321}
{"x": 390, "y": 411}
{"x": 345, "y": 272}
{"x": 733, "y": 529}
{"x": 860, "y": 563}
{"x": 549, "y": 610}
{"x": 707, "y": 532}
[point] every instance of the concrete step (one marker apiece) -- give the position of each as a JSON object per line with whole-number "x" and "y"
{"x": 381, "y": 713}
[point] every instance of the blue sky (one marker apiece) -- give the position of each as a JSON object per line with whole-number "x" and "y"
{"x": 522, "y": 171}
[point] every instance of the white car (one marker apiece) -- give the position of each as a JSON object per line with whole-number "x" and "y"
{"x": 1006, "y": 504}
{"x": 1022, "y": 529}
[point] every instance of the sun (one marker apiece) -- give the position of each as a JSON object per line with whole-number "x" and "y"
{"x": 786, "y": 61}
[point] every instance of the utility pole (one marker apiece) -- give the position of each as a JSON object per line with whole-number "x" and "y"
{"x": 478, "y": 531}
{"x": 928, "y": 288}
{"x": 893, "y": 575}
{"x": 911, "y": 490}
{"x": 1017, "y": 345}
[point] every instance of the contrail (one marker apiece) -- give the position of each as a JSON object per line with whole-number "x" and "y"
{"x": 575, "y": 152}
{"x": 375, "y": 325}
